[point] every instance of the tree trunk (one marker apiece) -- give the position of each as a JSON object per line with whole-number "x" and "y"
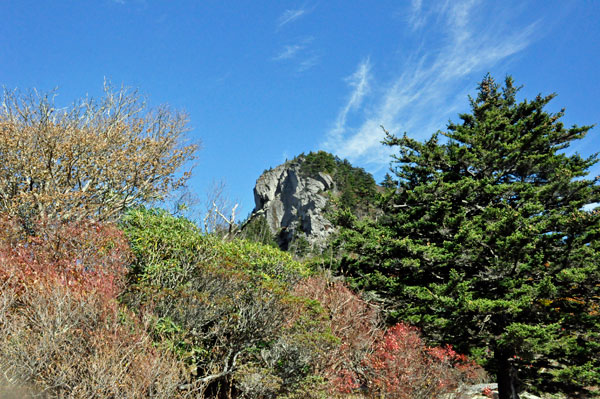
{"x": 506, "y": 375}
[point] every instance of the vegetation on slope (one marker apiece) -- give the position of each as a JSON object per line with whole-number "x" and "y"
{"x": 356, "y": 188}
{"x": 180, "y": 314}
{"x": 481, "y": 241}
{"x": 224, "y": 308}
{"x": 248, "y": 319}
{"x": 63, "y": 332}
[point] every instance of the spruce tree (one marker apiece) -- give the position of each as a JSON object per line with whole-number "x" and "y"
{"x": 487, "y": 242}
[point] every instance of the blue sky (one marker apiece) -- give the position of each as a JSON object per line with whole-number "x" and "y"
{"x": 265, "y": 81}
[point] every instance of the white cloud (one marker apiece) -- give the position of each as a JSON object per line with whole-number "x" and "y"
{"x": 308, "y": 63}
{"x": 288, "y": 51}
{"x": 300, "y": 52}
{"x": 430, "y": 88}
{"x": 291, "y": 15}
{"x": 416, "y": 16}
{"x": 359, "y": 81}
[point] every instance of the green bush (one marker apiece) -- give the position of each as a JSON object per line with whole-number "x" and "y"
{"x": 225, "y": 308}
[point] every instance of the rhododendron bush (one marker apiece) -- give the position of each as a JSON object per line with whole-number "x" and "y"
{"x": 225, "y": 309}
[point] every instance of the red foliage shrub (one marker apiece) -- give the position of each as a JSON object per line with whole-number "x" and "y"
{"x": 404, "y": 367}
{"x": 353, "y": 321}
{"x": 85, "y": 256}
{"x": 395, "y": 363}
{"x": 62, "y": 331}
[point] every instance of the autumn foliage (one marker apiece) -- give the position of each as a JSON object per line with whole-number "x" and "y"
{"x": 94, "y": 158}
{"x": 378, "y": 362}
{"x": 354, "y": 322}
{"x": 188, "y": 315}
{"x": 62, "y": 331}
{"x": 83, "y": 256}
{"x": 402, "y": 366}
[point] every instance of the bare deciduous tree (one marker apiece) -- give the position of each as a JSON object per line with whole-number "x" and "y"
{"x": 215, "y": 220}
{"x": 90, "y": 160}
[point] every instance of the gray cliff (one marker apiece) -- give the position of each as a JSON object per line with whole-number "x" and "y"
{"x": 293, "y": 204}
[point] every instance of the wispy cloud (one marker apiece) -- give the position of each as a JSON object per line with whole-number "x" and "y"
{"x": 291, "y": 15}
{"x": 416, "y": 16}
{"x": 304, "y": 57}
{"x": 359, "y": 81}
{"x": 430, "y": 87}
{"x": 307, "y": 63}
{"x": 288, "y": 52}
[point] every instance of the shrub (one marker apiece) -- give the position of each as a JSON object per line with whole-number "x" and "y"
{"x": 391, "y": 363}
{"x": 402, "y": 366}
{"x": 354, "y": 322}
{"x": 85, "y": 256}
{"x": 168, "y": 250}
{"x": 62, "y": 332}
{"x": 224, "y": 308}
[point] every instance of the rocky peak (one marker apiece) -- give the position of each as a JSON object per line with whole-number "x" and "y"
{"x": 293, "y": 203}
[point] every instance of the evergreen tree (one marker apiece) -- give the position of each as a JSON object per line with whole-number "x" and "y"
{"x": 486, "y": 244}
{"x": 355, "y": 186}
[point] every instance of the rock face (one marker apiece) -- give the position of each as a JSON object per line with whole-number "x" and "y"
{"x": 293, "y": 204}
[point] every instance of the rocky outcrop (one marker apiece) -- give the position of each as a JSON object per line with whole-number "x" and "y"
{"x": 293, "y": 204}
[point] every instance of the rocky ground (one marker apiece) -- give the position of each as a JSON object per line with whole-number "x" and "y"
{"x": 476, "y": 392}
